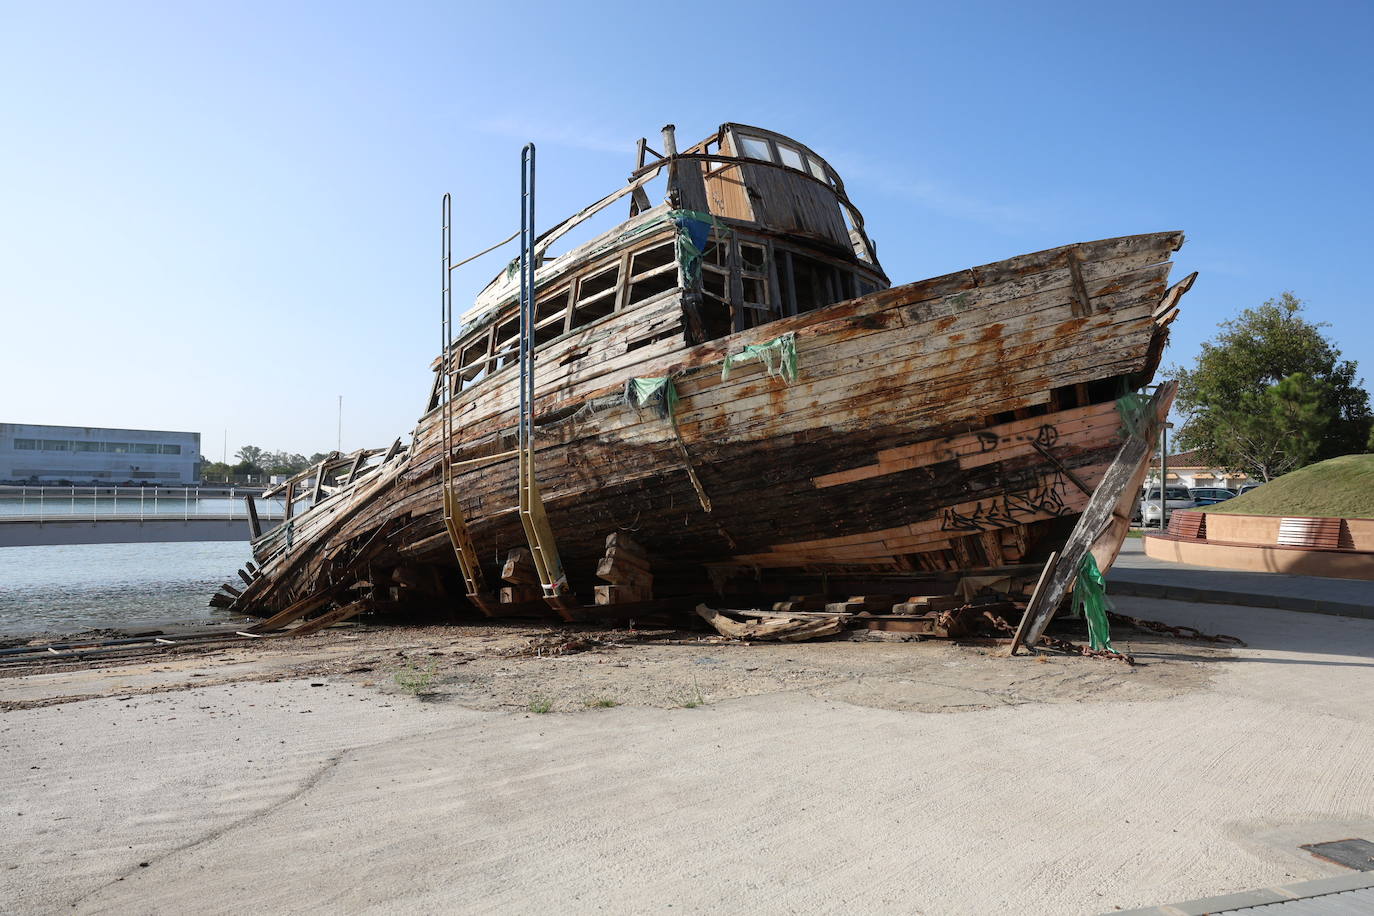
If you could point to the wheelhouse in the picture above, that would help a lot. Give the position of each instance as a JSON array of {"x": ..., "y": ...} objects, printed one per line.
[{"x": 755, "y": 227}]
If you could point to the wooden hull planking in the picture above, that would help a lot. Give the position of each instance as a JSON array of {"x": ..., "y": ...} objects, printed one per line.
[{"x": 954, "y": 424}]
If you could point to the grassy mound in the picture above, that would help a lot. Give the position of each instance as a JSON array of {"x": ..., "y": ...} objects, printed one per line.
[{"x": 1337, "y": 488}]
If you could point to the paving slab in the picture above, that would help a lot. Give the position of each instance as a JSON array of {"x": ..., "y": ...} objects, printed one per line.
[{"x": 1342, "y": 894}]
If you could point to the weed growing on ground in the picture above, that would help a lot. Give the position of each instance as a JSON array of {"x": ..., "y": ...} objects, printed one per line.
[
  {"x": 600, "y": 703},
  {"x": 695, "y": 698},
  {"x": 540, "y": 705},
  {"x": 416, "y": 681}
]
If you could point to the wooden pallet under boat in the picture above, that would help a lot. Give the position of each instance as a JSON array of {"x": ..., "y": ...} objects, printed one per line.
[{"x": 802, "y": 417}]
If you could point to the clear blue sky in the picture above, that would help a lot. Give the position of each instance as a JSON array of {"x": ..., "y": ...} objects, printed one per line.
[{"x": 224, "y": 216}]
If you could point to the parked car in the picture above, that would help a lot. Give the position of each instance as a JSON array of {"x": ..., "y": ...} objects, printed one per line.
[
  {"x": 1247, "y": 488},
  {"x": 1174, "y": 498},
  {"x": 1210, "y": 496}
]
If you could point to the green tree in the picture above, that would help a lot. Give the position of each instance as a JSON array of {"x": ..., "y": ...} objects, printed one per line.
[
  {"x": 1276, "y": 430},
  {"x": 1272, "y": 394},
  {"x": 250, "y": 454},
  {"x": 215, "y": 471}
]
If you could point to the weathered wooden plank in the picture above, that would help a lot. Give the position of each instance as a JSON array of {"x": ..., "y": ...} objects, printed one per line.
[{"x": 328, "y": 619}]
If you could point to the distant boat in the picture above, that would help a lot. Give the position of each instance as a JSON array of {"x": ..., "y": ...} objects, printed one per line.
[{"x": 728, "y": 384}]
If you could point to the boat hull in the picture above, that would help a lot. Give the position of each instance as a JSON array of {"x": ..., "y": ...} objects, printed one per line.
[{"x": 955, "y": 424}]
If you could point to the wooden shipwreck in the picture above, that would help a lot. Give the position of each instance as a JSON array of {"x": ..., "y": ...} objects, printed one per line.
[{"x": 725, "y": 393}]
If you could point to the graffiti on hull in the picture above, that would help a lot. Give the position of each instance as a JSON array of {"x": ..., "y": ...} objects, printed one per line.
[{"x": 1043, "y": 498}]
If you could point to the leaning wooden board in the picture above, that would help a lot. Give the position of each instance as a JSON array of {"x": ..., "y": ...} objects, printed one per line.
[{"x": 1099, "y": 527}]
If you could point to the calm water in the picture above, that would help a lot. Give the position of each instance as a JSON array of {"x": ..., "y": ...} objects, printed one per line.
[{"x": 73, "y": 587}]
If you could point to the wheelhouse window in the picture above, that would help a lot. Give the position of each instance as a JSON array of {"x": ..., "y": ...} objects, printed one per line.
[
  {"x": 472, "y": 363},
  {"x": 507, "y": 349},
  {"x": 790, "y": 157},
  {"x": 550, "y": 315},
  {"x": 652, "y": 271},
  {"x": 596, "y": 296},
  {"x": 755, "y": 147}
]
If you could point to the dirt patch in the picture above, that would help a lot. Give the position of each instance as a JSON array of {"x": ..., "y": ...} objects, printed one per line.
[{"x": 517, "y": 667}]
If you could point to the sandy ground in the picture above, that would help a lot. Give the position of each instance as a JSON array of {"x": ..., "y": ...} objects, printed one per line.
[{"x": 849, "y": 775}]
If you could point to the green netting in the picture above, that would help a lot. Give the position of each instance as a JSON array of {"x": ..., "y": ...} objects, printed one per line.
[
  {"x": 1090, "y": 600},
  {"x": 661, "y": 391},
  {"x": 1135, "y": 414},
  {"x": 779, "y": 357}
]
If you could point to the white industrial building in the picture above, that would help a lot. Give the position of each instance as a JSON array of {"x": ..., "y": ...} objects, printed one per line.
[{"x": 31, "y": 453}]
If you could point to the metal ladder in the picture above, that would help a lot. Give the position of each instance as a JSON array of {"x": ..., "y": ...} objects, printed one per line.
[
  {"x": 454, "y": 521},
  {"x": 543, "y": 548},
  {"x": 533, "y": 518}
]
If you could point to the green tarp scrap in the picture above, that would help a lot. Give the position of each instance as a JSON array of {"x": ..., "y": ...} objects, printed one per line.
[
  {"x": 1135, "y": 414},
  {"x": 693, "y": 234},
  {"x": 640, "y": 392},
  {"x": 1090, "y": 600},
  {"x": 779, "y": 357}
]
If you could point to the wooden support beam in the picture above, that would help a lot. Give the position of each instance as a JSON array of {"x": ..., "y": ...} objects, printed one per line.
[
  {"x": 254, "y": 524},
  {"x": 1034, "y": 598},
  {"x": 329, "y": 618},
  {"x": 357, "y": 466},
  {"x": 991, "y": 542},
  {"x": 1063, "y": 469},
  {"x": 1127, "y": 469},
  {"x": 295, "y": 610},
  {"x": 319, "y": 485}
]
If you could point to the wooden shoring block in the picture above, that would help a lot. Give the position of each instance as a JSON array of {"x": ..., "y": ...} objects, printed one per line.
[
  {"x": 622, "y": 541},
  {"x": 618, "y": 572},
  {"x": 802, "y": 603},
  {"x": 519, "y": 568},
  {"x": 520, "y": 594},
  {"x": 416, "y": 578},
  {"x": 859, "y": 603},
  {"x": 620, "y": 594},
  {"x": 921, "y": 604},
  {"x": 627, "y": 557}
]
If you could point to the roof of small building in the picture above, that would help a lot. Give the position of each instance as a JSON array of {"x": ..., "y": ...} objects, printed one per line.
[{"x": 1189, "y": 459}]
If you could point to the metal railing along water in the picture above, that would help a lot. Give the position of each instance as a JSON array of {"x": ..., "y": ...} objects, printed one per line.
[{"x": 41, "y": 503}]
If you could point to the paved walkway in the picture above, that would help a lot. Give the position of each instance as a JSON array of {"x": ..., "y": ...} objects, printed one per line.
[
  {"x": 1351, "y": 895},
  {"x": 1136, "y": 574}
]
